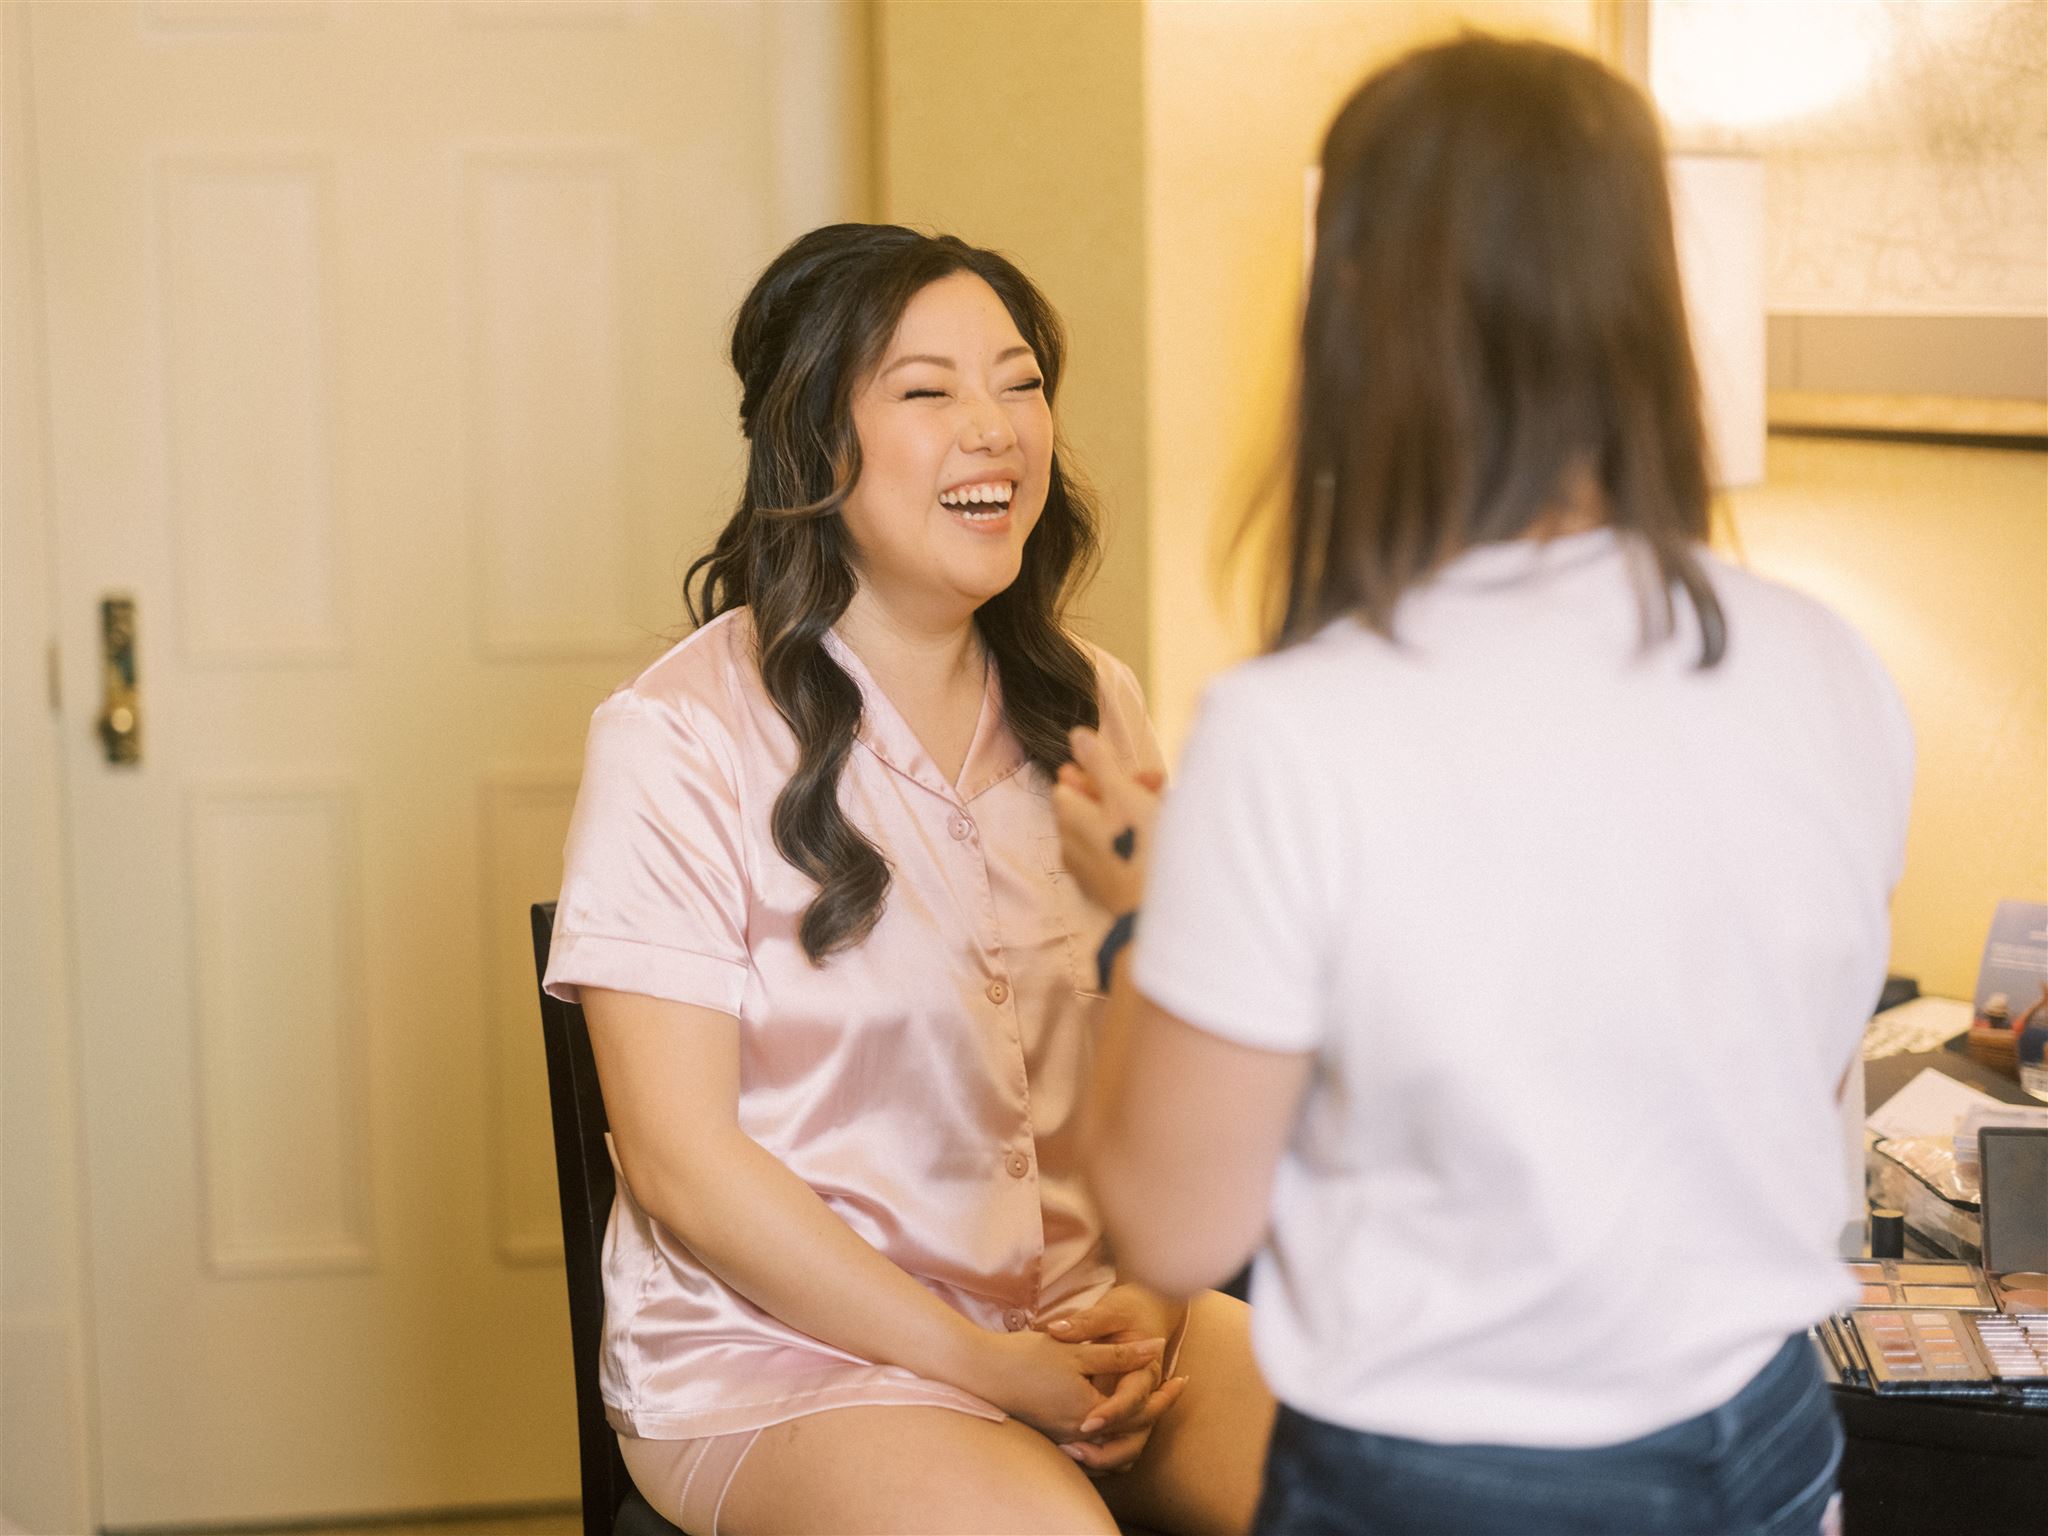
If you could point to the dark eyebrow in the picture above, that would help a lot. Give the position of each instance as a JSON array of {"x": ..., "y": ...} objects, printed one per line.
[{"x": 947, "y": 362}]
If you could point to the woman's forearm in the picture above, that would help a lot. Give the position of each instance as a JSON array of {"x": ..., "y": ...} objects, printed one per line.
[
  {"x": 1183, "y": 1131},
  {"x": 769, "y": 1236}
]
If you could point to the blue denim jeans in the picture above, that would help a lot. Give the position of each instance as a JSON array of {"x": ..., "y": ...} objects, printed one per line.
[{"x": 1763, "y": 1462}]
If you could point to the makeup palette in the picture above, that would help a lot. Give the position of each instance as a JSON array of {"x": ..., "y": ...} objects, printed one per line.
[
  {"x": 1919, "y": 1283},
  {"x": 2023, "y": 1291},
  {"x": 1935, "y": 1328},
  {"x": 1939, "y": 1352},
  {"x": 2016, "y": 1348},
  {"x": 1919, "y": 1351}
]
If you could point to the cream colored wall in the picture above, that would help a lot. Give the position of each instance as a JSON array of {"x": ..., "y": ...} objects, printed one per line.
[
  {"x": 1940, "y": 557},
  {"x": 43, "y": 1433},
  {"x": 1237, "y": 98},
  {"x": 1019, "y": 125}
]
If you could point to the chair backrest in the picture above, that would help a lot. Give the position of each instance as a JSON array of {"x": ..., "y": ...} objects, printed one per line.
[{"x": 583, "y": 1171}]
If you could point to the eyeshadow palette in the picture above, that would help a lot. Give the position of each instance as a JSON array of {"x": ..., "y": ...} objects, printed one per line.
[
  {"x": 1919, "y": 1351},
  {"x": 1919, "y": 1283},
  {"x": 1940, "y": 1352},
  {"x": 2016, "y": 1348}
]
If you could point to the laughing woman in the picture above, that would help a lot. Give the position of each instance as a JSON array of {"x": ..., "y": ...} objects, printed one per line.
[{"x": 839, "y": 987}]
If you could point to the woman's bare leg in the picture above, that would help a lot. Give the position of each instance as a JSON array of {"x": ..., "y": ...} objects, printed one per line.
[
  {"x": 1202, "y": 1468},
  {"x": 906, "y": 1471},
  {"x": 909, "y": 1472}
]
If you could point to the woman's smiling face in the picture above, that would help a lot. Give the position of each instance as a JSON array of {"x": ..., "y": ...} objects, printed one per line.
[{"x": 956, "y": 455}]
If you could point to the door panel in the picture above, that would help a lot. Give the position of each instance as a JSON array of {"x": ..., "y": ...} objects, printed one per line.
[{"x": 385, "y": 348}]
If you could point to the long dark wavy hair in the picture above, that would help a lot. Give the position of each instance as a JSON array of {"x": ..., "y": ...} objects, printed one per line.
[
  {"x": 814, "y": 326},
  {"x": 1494, "y": 302}
]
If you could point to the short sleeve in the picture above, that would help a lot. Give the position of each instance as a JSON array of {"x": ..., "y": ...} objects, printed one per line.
[
  {"x": 654, "y": 890},
  {"x": 1231, "y": 939}
]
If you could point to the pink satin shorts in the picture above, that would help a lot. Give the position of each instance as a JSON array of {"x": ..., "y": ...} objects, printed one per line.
[{"x": 686, "y": 1481}]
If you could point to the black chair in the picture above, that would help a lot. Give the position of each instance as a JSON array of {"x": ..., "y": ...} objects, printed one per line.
[{"x": 612, "y": 1506}]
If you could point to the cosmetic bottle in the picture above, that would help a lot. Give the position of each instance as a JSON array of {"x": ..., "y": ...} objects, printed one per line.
[
  {"x": 1991, "y": 1036},
  {"x": 2031, "y": 1047}
]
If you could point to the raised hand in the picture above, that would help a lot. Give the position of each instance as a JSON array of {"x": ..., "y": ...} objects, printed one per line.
[{"x": 1105, "y": 817}]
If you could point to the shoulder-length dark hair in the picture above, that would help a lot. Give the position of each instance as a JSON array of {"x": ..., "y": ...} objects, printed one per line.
[
  {"x": 814, "y": 326},
  {"x": 1493, "y": 308}
]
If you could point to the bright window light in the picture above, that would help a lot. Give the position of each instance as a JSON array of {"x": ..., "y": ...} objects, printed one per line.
[{"x": 1736, "y": 64}]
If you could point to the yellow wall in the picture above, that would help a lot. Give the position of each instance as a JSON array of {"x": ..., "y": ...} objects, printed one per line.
[
  {"x": 1237, "y": 99},
  {"x": 1940, "y": 557},
  {"x": 1019, "y": 125}
]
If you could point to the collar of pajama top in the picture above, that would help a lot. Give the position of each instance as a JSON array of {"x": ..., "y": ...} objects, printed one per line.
[
  {"x": 992, "y": 756},
  {"x": 926, "y": 1082}
]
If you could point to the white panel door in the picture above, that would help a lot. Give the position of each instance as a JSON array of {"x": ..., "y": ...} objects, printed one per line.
[{"x": 385, "y": 349}]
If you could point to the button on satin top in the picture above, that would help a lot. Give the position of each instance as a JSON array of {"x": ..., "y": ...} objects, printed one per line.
[{"x": 924, "y": 1083}]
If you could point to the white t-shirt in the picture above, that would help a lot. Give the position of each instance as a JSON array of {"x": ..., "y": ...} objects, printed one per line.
[{"x": 1582, "y": 938}]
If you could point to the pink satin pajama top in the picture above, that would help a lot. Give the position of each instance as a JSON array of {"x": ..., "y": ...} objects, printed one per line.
[{"x": 925, "y": 1083}]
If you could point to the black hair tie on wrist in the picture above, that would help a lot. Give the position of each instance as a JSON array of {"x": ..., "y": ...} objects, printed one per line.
[
  {"x": 1120, "y": 933},
  {"x": 1125, "y": 843}
]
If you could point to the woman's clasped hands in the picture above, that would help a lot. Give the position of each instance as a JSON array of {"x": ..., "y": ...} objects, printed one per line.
[
  {"x": 1092, "y": 1382},
  {"x": 1130, "y": 1396},
  {"x": 1064, "y": 1391}
]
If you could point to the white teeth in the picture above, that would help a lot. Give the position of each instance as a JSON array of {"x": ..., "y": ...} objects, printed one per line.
[{"x": 997, "y": 492}]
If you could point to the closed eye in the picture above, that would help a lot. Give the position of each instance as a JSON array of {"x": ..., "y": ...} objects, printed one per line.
[
  {"x": 924, "y": 394},
  {"x": 1027, "y": 386}
]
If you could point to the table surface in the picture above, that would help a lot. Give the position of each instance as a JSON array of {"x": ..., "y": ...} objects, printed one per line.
[{"x": 1888, "y": 1074}]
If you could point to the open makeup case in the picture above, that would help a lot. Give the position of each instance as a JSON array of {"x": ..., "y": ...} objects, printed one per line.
[{"x": 1940, "y": 1327}]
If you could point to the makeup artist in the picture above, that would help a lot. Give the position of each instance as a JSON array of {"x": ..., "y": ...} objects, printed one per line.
[{"x": 1512, "y": 920}]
